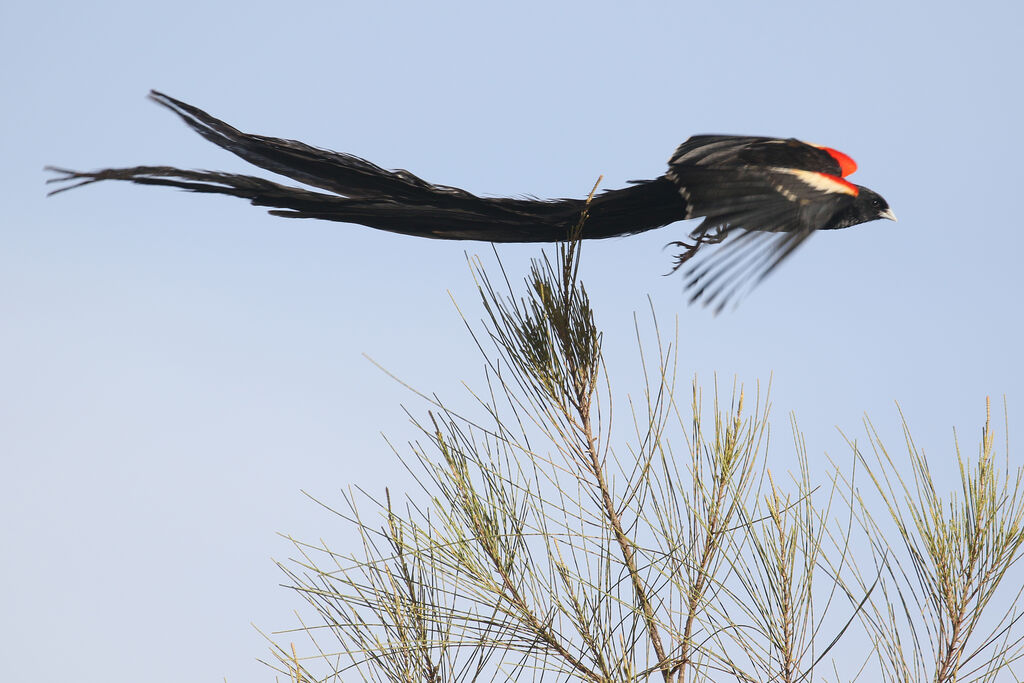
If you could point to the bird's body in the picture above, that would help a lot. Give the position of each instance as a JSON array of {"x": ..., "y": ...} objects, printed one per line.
[{"x": 762, "y": 196}]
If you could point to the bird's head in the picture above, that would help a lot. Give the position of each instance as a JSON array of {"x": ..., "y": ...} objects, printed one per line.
[{"x": 869, "y": 206}]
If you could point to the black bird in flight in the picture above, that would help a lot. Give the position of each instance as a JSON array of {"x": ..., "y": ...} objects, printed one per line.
[{"x": 759, "y": 196}]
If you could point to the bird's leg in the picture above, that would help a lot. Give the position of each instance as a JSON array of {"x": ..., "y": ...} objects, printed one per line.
[{"x": 699, "y": 237}]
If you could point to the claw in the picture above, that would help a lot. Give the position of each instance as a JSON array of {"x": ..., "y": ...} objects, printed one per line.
[{"x": 680, "y": 259}]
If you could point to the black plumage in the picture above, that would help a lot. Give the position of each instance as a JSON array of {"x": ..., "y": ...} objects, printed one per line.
[{"x": 761, "y": 196}]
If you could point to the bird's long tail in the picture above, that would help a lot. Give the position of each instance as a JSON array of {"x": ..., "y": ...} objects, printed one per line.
[{"x": 358, "y": 191}]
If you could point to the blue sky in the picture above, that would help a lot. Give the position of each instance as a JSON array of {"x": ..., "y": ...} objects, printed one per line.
[{"x": 175, "y": 369}]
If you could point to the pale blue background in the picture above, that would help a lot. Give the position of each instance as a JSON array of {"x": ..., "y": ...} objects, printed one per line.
[{"x": 175, "y": 368}]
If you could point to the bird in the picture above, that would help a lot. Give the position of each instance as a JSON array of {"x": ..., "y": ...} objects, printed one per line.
[{"x": 759, "y": 199}]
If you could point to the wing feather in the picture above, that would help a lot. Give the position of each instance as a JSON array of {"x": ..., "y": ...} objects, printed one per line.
[{"x": 761, "y": 214}]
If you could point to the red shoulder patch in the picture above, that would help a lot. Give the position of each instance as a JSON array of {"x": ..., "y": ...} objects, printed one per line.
[{"x": 846, "y": 164}]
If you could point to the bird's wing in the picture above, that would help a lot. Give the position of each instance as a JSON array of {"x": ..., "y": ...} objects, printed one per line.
[
  {"x": 723, "y": 151},
  {"x": 762, "y": 214}
]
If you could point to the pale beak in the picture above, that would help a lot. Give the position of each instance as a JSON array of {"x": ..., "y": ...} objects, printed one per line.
[{"x": 887, "y": 214}]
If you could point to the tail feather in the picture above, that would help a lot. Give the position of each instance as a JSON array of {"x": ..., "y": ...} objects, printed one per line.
[
  {"x": 645, "y": 206},
  {"x": 396, "y": 201},
  {"x": 336, "y": 172}
]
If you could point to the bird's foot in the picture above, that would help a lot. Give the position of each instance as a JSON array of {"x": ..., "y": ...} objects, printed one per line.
[{"x": 689, "y": 251}]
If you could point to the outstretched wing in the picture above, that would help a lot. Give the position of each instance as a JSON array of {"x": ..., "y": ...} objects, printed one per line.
[{"x": 761, "y": 210}]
